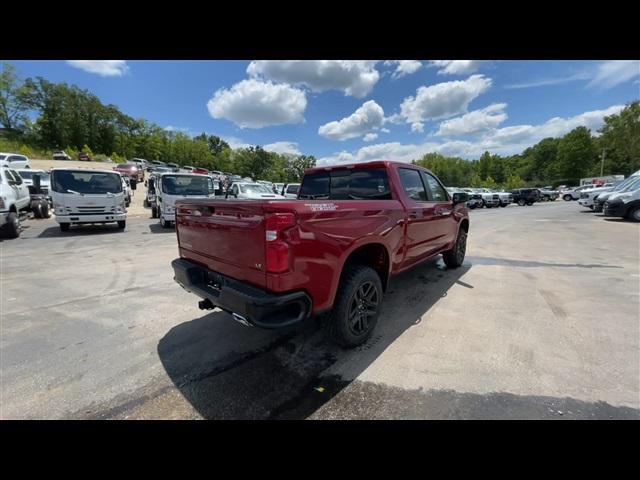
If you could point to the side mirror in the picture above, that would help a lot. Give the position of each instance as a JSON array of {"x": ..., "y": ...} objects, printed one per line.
[{"x": 460, "y": 197}]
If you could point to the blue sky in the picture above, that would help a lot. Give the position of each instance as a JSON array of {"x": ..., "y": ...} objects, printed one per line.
[{"x": 343, "y": 111}]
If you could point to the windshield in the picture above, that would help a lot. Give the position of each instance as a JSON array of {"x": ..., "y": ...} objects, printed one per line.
[
  {"x": 86, "y": 182},
  {"x": 254, "y": 188},
  {"x": 625, "y": 183},
  {"x": 632, "y": 185},
  {"x": 2, "y": 157},
  {"x": 187, "y": 185},
  {"x": 27, "y": 175}
]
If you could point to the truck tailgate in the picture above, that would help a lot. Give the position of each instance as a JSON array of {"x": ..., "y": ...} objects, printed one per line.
[{"x": 226, "y": 237}]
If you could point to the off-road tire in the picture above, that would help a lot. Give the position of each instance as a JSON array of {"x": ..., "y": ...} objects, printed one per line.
[
  {"x": 453, "y": 258},
  {"x": 357, "y": 280}
]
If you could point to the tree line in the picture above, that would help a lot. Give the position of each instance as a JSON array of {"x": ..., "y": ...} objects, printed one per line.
[
  {"x": 75, "y": 120},
  {"x": 552, "y": 161}
]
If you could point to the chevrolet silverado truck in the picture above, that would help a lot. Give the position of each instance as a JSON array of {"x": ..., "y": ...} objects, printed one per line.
[{"x": 330, "y": 253}]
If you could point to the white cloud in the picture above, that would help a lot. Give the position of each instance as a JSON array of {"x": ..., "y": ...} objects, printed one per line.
[
  {"x": 404, "y": 67},
  {"x": 283, "y": 148},
  {"x": 385, "y": 130},
  {"x": 456, "y": 67},
  {"x": 256, "y": 104},
  {"x": 442, "y": 100},
  {"x": 366, "y": 118},
  {"x": 369, "y": 137},
  {"x": 550, "y": 81},
  {"x": 614, "y": 72},
  {"x": 171, "y": 128},
  {"x": 474, "y": 122},
  {"x": 353, "y": 77},
  {"x": 235, "y": 142},
  {"x": 504, "y": 141},
  {"x": 104, "y": 68}
]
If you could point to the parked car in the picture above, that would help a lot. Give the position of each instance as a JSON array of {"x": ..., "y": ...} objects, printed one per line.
[
  {"x": 60, "y": 155},
  {"x": 274, "y": 263},
  {"x": 525, "y": 196},
  {"x": 291, "y": 190},
  {"x": 132, "y": 171},
  {"x": 84, "y": 157},
  {"x": 624, "y": 204},
  {"x": 277, "y": 187},
  {"x": 251, "y": 191},
  {"x": 174, "y": 166},
  {"x": 574, "y": 194},
  {"x": 15, "y": 160},
  {"x": 173, "y": 186},
  {"x": 506, "y": 198},
  {"x": 490, "y": 198},
  {"x": 141, "y": 163},
  {"x": 629, "y": 184},
  {"x": 588, "y": 195},
  {"x": 83, "y": 195},
  {"x": 546, "y": 194}
]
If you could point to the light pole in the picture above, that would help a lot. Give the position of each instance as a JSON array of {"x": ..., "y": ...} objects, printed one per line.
[{"x": 602, "y": 164}]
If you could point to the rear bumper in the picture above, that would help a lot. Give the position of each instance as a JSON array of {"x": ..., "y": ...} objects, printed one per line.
[{"x": 253, "y": 305}]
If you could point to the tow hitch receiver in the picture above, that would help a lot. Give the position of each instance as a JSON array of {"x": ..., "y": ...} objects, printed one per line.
[{"x": 206, "y": 304}]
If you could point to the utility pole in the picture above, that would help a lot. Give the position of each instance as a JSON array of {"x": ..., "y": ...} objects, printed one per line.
[{"x": 602, "y": 164}]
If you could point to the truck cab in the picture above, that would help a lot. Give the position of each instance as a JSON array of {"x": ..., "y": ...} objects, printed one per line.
[
  {"x": 83, "y": 196},
  {"x": 174, "y": 186},
  {"x": 14, "y": 200}
]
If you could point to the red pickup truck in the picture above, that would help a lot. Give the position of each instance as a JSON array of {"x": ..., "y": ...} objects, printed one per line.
[{"x": 332, "y": 250}]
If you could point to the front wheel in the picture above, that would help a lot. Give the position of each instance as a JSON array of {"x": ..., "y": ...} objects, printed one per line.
[
  {"x": 522, "y": 202},
  {"x": 357, "y": 306},
  {"x": 454, "y": 257},
  {"x": 634, "y": 214},
  {"x": 122, "y": 224},
  {"x": 503, "y": 205},
  {"x": 12, "y": 227},
  {"x": 567, "y": 198},
  {"x": 164, "y": 223},
  {"x": 46, "y": 213}
]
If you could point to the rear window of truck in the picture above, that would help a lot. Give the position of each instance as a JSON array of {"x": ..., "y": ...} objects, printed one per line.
[{"x": 347, "y": 184}]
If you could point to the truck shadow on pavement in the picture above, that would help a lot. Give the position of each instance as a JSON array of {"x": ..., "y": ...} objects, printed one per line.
[
  {"x": 282, "y": 376},
  {"x": 157, "y": 228}
]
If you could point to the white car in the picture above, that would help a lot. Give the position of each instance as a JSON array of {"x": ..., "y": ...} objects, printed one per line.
[
  {"x": 588, "y": 195},
  {"x": 252, "y": 191},
  {"x": 175, "y": 186},
  {"x": 574, "y": 194},
  {"x": 15, "y": 160}
]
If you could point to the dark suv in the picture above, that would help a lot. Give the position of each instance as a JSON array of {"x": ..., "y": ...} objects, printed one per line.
[{"x": 525, "y": 196}]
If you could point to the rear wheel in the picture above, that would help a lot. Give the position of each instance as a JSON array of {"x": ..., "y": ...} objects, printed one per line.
[
  {"x": 154, "y": 212},
  {"x": 12, "y": 227},
  {"x": 356, "y": 308},
  {"x": 46, "y": 213},
  {"x": 64, "y": 227},
  {"x": 145, "y": 203},
  {"x": 164, "y": 223},
  {"x": 522, "y": 202},
  {"x": 454, "y": 257},
  {"x": 567, "y": 198},
  {"x": 503, "y": 205}
]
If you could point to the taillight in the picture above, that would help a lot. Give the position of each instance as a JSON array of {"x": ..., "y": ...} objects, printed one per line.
[{"x": 277, "y": 250}]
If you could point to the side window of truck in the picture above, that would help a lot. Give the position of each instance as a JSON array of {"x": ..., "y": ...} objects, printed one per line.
[
  {"x": 437, "y": 193},
  {"x": 412, "y": 184}
]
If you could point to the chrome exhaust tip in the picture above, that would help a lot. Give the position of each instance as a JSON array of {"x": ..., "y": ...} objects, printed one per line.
[{"x": 241, "y": 319}]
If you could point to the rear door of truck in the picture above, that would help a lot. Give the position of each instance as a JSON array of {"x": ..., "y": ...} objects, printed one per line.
[{"x": 227, "y": 237}]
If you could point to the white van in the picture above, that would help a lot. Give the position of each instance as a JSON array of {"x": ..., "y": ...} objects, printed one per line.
[
  {"x": 87, "y": 195},
  {"x": 174, "y": 186}
]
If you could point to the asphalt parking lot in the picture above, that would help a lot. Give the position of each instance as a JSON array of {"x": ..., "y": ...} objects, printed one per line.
[{"x": 541, "y": 322}]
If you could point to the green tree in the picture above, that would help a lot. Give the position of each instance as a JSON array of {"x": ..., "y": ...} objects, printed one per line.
[
  {"x": 14, "y": 99},
  {"x": 296, "y": 166},
  {"x": 489, "y": 182},
  {"x": 620, "y": 138},
  {"x": 513, "y": 181},
  {"x": 576, "y": 153}
]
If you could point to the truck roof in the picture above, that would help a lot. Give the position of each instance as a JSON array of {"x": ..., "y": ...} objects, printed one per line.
[{"x": 369, "y": 164}]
